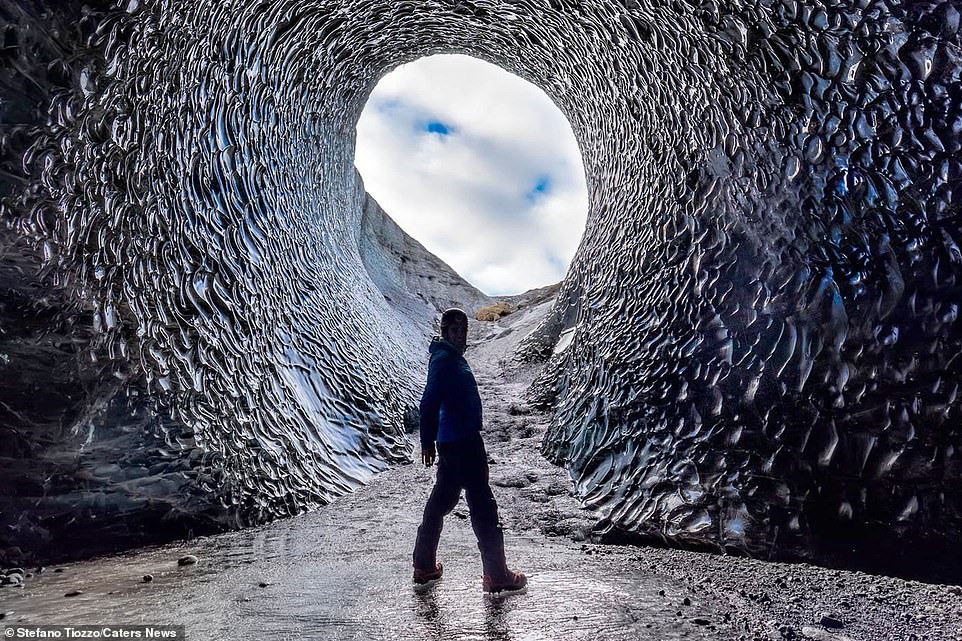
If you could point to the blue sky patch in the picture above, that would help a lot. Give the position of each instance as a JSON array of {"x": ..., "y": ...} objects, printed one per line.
[
  {"x": 402, "y": 112},
  {"x": 541, "y": 188},
  {"x": 437, "y": 127}
]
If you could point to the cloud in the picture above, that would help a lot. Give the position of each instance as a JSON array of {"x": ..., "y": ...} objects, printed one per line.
[{"x": 479, "y": 166}]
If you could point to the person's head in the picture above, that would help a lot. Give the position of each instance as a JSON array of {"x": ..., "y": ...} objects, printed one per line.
[{"x": 454, "y": 328}]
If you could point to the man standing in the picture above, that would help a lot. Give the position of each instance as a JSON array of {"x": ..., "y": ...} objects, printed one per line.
[{"x": 451, "y": 416}]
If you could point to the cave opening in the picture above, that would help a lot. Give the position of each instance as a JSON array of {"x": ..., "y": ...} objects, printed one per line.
[{"x": 478, "y": 165}]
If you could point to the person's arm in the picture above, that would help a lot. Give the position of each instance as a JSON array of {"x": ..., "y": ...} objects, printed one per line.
[{"x": 431, "y": 408}]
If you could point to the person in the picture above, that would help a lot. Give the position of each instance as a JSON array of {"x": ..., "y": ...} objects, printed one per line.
[{"x": 451, "y": 434}]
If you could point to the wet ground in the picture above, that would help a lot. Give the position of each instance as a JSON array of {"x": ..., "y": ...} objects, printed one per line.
[{"x": 344, "y": 572}]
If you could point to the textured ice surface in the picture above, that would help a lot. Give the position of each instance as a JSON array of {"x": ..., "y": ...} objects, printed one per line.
[{"x": 764, "y": 345}]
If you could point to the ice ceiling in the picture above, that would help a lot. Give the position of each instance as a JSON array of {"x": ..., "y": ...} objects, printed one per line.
[{"x": 760, "y": 344}]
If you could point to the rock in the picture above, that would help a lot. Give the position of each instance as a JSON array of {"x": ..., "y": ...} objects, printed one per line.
[
  {"x": 148, "y": 578},
  {"x": 579, "y": 534},
  {"x": 831, "y": 621},
  {"x": 700, "y": 621},
  {"x": 58, "y": 570},
  {"x": 14, "y": 579},
  {"x": 494, "y": 312},
  {"x": 74, "y": 593},
  {"x": 573, "y": 527},
  {"x": 538, "y": 497},
  {"x": 556, "y": 488},
  {"x": 515, "y": 409},
  {"x": 513, "y": 480},
  {"x": 12, "y": 554},
  {"x": 460, "y": 514},
  {"x": 263, "y": 584},
  {"x": 809, "y": 632},
  {"x": 686, "y": 601},
  {"x": 189, "y": 559},
  {"x": 19, "y": 571}
]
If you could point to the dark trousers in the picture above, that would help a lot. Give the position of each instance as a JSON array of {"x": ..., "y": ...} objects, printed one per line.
[{"x": 462, "y": 466}]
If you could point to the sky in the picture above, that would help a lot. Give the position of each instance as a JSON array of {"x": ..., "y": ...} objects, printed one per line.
[{"x": 479, "y": 166}]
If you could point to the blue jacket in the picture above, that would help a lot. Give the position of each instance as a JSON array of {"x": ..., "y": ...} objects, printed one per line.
[{"x": 450, "y": 405}]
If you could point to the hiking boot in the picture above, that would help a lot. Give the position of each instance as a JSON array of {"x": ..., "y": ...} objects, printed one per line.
[
  {"x": 426, "y": 577},
  {"x": 512, "y": 583}
]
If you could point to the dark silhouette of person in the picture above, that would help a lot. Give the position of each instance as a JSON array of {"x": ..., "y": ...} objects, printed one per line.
[{"x": 451, "y": 418}]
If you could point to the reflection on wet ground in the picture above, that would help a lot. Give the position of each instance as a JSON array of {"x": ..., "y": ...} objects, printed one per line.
[
  {"x": 344, "y": 572},
  {"x": 327, "y": 575}
]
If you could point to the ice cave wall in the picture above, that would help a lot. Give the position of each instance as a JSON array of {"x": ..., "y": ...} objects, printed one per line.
[{"x": 762, "y": 337}]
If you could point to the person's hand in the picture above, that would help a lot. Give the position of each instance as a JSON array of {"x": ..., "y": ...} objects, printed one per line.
[{"x": 428, "y": 457}]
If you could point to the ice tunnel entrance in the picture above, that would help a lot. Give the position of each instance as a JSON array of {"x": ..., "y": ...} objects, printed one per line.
[{"x": 478, "y": 165}]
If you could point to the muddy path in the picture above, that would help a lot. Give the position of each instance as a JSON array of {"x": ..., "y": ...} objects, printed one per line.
[{"x": 344, "y": 571}]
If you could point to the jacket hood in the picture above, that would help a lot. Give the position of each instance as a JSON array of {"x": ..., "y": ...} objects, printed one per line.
[{"x": 439, "y": 345}]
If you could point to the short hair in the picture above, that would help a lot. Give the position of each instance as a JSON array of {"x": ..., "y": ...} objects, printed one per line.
[{"x": 451, "y": 316}]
